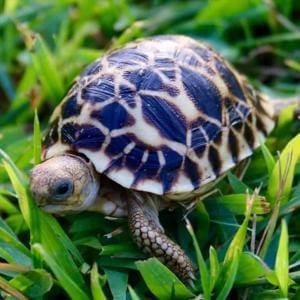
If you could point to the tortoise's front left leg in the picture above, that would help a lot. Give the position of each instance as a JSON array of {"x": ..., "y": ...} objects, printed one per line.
[{"x": 149, "y": 236}]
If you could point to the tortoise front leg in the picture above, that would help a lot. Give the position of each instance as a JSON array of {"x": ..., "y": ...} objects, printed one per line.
[{"x": 151, "y": 239}]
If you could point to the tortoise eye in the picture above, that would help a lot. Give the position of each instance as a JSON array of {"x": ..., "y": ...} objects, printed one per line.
[{"x": 62, "y": 189}]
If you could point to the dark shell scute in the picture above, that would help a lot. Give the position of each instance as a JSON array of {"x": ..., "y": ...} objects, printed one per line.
[
  {"x": 169, "y": 171},
  {"x": 99, "y": 90},
  {"x": 173, "y": 159},
  {"x": 70, "y": 108},
  {"x": 198, "y": 138},
  {"x": 145, "y": 79},
  {"x": 234, "y": 116},
  {"x": 203, "y": 92},
  {"x": 167, "y": 178},
  {"x": 149, "y": 169},
  {"x": 163, "y": 63},
  {"x": 52, "y": 135},
  {"x": 261, "y": 126},
  {"x": 212, "y": 130},
  {"x": 249, "y": 136},
  {"x": 164, "y": 117},
  {"x": 233, "y": 145},
  {"x": 128, "y": 95},
  {"x": 82, "y": 136},
  {"x": 134, "y": 158},
  {"x": 244, "y": 110},
  {"x": 185, "y": 57},
  {"x": 202, "y": 52},
  {"x": 191, "y": 171},
  {"x": 230, "y": 79},
  {"x": 112, "y": 116},
  {"x": 124, "y": 57},
  {"x": 117, "y": 145},
  {"x": 92, "y": 69},
  {"x": 214, "y": 159},
  {"x": 152, "y": 165},
  {"x": 171, "y": 74}
]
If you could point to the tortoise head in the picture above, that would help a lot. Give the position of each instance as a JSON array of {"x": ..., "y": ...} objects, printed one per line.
[{"x": 65, "y": 183}]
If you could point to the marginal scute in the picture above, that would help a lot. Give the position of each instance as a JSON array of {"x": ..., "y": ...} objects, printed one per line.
[
  {"x": 249, "y": 135},
  {"x": 233, "y": 145},
  {"x": 215, "y": 160},
  {"x": 117, "y": 145},
  {"x": 70, "y": 108},
  {"x": 166, "y": 115},
  {"x": 192, "y": 171},
  {"x": 82, "y": 136},
  {"x": 134, "y": 158},
  {"x": 52, "y": 135}
]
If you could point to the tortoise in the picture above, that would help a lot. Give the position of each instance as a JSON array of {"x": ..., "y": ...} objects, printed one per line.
[{"x": 145, "y": 126}]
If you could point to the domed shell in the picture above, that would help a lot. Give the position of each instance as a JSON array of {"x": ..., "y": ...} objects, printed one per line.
[{"x": 164, "y": 115}]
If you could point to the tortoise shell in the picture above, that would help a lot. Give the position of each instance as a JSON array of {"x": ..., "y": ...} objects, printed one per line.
[{"x": 165, "y": 114}]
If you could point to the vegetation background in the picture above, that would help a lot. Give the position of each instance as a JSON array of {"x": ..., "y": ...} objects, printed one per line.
[{"x": 249, "y": 239}]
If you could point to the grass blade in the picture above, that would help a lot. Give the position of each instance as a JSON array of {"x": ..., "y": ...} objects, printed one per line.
[
  {"x": 33, "y": 283},
  {"x": 237, "y": 203},
  {"x": 230, "y": 274},
  {"x": 282, "y": 261},
  {"x": 6, "y": 286},
  {"x": 204, "y": 275},
  {"x": 133, "y": 294},
  {"x": 161, "y": 281},
  {"x": 27, "y": 206},
  {"x": 117, "y": 281},
  {"x": 36, "y": 139},
  {"x": 280, "y": 183},
  {"x": 96, "y": 288},
  {"x": 214, "y": 267},
  {"x": 269, "y": 159},
  {"x": 71, "y": 287}
]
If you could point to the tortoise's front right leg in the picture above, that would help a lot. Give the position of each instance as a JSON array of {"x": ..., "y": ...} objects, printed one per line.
[{"x": 151, "y": 239}]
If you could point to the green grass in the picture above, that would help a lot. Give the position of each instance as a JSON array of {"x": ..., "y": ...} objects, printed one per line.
[{"x": 245, "y": 238}]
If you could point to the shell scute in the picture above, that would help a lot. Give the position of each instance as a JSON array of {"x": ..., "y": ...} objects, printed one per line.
[
  {"x": 71, "y": 108},
  {"x": 99, "y": 90},
  {"x": 112, "y": 116},
  {"x": 164, "y": 117},
  {"x": 203, "y": 92},
  {"x": 229, "y": 79},
  {"x": 127, "y": 57}
]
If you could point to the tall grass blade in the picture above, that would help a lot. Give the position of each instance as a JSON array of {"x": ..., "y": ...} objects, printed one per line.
[
  {"x": 282, "y": 260},
  {"x": 36, "y": 139},
  {"x": 6, "y": 286},
  {"x": 204, "y": 274},
  {"x": 72, "y": 288},
  {"x": 96, "y": 288},
  {"x": 161, "y": 281},
  {"x": 280, "y": 182}
]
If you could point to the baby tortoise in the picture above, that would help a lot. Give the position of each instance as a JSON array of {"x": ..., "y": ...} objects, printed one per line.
[{"x": 152, "y": 123}]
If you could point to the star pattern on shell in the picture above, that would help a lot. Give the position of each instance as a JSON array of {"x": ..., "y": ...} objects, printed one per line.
[{"x": 162, "y": 115}]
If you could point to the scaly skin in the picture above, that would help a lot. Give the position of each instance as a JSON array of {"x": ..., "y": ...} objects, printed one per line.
[{"x": 151, "y": 239}]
